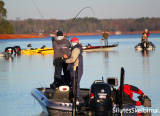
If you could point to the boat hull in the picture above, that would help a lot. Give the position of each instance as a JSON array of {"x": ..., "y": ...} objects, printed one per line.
[{"x": 50, "y": 106}]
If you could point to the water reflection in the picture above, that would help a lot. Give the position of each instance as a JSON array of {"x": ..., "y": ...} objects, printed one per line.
[
  {"x": 106, "y": 54},
  {"x": 145, "y": 53},
  {"x": 9, "y": 59}
]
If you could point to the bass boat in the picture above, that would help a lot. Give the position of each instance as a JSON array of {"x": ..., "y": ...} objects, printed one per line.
[
  {"x": 96, "y": 101},
  {"x": 38, "y": 50},
  {"x": 99, "y": 48},
  {"x": 145, "y": 46}
]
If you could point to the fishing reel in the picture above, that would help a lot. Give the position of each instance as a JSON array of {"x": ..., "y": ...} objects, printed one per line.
[{"x": 146, "y": 102}]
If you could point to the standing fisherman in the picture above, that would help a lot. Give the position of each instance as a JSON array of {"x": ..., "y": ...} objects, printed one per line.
[
  {"x": 105, "y": 37},
  {"x": 75, "y": 60},
  {"x": 145, "y": 35},
  {"x": 61, "y": 46}
]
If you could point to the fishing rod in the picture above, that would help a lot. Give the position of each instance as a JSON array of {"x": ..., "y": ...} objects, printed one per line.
[
  {"x": 46, "y": 24},
  {"x": 76, "y": 17},
  {"x": 41, "y": 15}
]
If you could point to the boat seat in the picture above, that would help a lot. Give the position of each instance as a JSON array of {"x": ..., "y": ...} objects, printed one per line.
[{"x": 62, "y": 93}]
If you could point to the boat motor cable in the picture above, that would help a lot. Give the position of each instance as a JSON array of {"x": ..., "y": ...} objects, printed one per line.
[{"x": 76, "y": 17}]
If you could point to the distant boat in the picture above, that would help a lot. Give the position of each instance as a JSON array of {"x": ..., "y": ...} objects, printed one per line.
[
  {"x": 118, "y": 32},
  {"x": 2, "y": 54},
  {"x": 145, "y": 46},
  {"x": 99, "y": 48},
  {"x": 38, "y": 50}
]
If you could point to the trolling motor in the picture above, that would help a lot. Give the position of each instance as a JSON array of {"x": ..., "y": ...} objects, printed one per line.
[
  {"x": 17, "y": 49},
  {"x": 100, "y": 98},
  {"x": 8, "y": 52}
]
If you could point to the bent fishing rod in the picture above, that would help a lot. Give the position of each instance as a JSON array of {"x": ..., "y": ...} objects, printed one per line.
[
  {"x": 76, "y": 17},
  {"x": 70, "y": 23}
]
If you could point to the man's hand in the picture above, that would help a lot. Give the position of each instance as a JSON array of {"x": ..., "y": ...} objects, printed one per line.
[{"x": 65, "y": 56}]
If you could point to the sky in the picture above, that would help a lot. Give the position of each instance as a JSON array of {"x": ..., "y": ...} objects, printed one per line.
[{"x": 67, "y": 9}]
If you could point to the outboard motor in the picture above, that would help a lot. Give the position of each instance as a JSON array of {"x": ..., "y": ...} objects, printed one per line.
[
  {"x": 17, "y": 49},
  {"x": 9, "y": 51},
  {"x": 100, "y": 98}
]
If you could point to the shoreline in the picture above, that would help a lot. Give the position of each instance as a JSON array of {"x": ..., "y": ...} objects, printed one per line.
[{"x": 21, "y": 36}]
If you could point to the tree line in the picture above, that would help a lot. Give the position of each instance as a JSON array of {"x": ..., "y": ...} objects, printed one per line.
[
  {"x": 87, "y": 24},
  {"x": 5, "y": 26},
  {"x": 80, "y": 25}
]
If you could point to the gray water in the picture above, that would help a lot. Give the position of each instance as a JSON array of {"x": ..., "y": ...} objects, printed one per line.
[{"x": 18, "y": 76}]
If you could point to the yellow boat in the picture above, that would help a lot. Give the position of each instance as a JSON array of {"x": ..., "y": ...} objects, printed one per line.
[
  {"x": 36, "y": 50},
  {"x": 46, "y": 51}
]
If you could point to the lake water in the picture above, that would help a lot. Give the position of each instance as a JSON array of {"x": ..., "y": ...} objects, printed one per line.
[{"x": 18, "y": 76}]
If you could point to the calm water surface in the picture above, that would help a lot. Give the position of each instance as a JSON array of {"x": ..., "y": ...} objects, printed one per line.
[{"x": 18, "y": 76}]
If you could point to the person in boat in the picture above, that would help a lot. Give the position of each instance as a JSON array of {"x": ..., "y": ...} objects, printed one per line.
[
  {"x": 128, "y": 91},
  {"x": 61, "y": 46},
  {"x": 75, "y": 60},
  {"x": 53, "y": 38},
  {"x": 105, "y": 37},
  {"x": 146, "y": 33},
  {"x": 144, "y": 38},
  {"x": 43, "y": 47}
]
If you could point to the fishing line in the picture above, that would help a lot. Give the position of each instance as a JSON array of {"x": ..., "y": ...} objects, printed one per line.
[
  {"x": 76, "y": 17},
  {"x": 44, "y": 83},
  {"x": 41, "y": 85}
]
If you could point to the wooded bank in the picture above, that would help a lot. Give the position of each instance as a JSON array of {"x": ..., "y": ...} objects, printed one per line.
[
  {"x": 85, "y": 25},
  {"x": 21, "y": 36}
]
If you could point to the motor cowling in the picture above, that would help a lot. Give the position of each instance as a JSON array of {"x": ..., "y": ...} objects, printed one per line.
[
  {"x": 9, "y": 51},
  {"x": 100, "y": 98},
  {"x": 17, "y": 49}
]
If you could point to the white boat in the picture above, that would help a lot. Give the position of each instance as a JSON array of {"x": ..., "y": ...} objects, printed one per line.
[{"x": 145, "y": 46}]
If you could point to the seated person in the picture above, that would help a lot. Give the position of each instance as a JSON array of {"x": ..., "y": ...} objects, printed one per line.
[{"x": 43, "y": 47}]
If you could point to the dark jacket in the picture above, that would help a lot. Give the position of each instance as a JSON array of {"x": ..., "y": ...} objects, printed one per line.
[
  {"x": 61, "y": 47},
  {"x": 105, "y": 35},
  {"x": 80, "y": 62}
]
